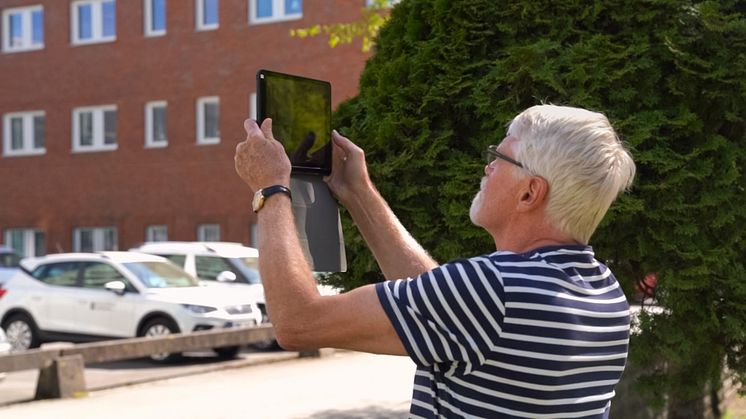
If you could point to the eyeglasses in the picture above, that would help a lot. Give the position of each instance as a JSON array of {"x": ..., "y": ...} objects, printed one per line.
[{"x": 492, "y": 154}]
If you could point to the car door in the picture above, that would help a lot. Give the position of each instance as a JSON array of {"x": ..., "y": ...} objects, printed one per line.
[
  {"x": 59, "y": 301},
  {"x": 105, "y": 313}
]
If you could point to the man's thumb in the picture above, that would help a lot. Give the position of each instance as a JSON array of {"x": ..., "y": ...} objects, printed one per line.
[{"x": 267, "y": 128}]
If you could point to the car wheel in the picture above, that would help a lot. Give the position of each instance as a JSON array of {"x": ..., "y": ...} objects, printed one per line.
[
  {"x": 267, "y": 345},
  {"x": 22, "y": 332},
  {"x": 227, "y": 352},
  {"x": 160, "y": 327}
]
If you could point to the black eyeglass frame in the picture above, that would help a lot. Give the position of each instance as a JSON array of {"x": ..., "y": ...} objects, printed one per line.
[{"x": 492, "y": 154}]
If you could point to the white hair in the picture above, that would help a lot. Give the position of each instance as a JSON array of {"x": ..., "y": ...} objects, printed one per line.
[{"x": 582, "y": 159}]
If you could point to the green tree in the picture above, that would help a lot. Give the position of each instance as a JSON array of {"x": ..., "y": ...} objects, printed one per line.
[
  {"x": 446, "y": 78},
  {"x": 366, "y": 28}
]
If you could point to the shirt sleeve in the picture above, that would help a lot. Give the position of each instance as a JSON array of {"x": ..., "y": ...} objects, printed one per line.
[{"x": 450, "y": 315}]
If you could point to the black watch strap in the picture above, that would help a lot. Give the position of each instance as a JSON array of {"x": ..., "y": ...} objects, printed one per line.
[{"x": 271, "y": 190}]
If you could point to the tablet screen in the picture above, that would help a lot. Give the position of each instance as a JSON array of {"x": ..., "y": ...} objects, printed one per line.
[{"x": 300, "y": 109}]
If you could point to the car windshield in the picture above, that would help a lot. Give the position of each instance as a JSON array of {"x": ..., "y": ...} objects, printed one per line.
[
  {"x": 9, "y": 260},
  {"x": 249, "y": 267},
  {"x": 161, "y": 274}
]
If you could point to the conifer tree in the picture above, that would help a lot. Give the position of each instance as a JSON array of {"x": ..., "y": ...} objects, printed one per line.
[{"x": 446, "y": 78}]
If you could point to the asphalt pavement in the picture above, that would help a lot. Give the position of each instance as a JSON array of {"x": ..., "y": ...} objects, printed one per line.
[{"x": 343, "y": 385}]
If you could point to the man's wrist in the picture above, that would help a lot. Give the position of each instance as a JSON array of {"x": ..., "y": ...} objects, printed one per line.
[{"x": 262, "y": 195}]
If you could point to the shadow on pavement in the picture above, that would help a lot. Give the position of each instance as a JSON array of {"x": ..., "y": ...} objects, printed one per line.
[{"x": 372, "y": 412}]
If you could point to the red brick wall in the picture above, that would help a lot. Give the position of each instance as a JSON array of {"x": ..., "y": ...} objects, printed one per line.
[{"x": 184, "y": 184}]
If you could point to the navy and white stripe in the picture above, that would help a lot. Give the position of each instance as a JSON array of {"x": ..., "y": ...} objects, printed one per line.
[{"x": 540, "y": 334}]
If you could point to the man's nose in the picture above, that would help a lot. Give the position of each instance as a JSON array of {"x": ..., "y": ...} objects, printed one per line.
[{"x": 488, "y": 168}]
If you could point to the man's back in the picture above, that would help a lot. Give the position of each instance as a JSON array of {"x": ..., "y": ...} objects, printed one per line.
[{"x": 527, "y": 335}]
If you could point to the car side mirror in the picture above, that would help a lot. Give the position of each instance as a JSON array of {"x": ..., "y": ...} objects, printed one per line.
[
  {"x": 117, "y": 287},
  {"x": 226, "y": 276}
]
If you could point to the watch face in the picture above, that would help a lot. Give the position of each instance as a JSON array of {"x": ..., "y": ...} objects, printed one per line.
[{"x": 258, "y": 202}]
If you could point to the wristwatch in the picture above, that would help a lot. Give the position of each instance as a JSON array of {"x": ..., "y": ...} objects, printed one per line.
[{"x": 262, "y": 194}]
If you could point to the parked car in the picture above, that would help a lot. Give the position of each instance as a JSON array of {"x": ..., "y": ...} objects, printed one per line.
[
  {"x": 220, "y": 264},
  {"x": 4, "y": 349},
  {"x": 95, "y": 296},
  {"x": 9, "y": 261}
]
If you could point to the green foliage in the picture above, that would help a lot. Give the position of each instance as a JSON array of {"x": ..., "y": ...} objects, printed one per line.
[
  {"x": 366, "y": 28},
  {"x": 446, "y": 78}
]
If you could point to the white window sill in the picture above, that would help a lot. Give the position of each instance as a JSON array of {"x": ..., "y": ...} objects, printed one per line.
[
  {"x": 156, "y": 145},
  {"x": 22, "y": 153},
  {"x": 263, "y": 20},
  {"x": 155, "y": 34},
  {"x": 78, "y": 42},
  {"x": 93, "y": 149},
  {"x": 201, "y": 28},
  {"x": 9, "y": 50},
  {"x": 208, "y": 141}
]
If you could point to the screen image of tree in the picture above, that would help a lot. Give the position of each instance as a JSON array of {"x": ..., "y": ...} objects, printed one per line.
[{"x": 300, "y": 111}]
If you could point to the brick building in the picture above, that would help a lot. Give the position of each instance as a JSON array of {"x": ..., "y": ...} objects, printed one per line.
[{"x": 120, "y": 117}]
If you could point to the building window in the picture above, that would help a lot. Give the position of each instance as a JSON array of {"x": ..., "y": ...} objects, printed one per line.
[
  {"x": 23, "y": 133},
  {"x": 27, "y": 242},
  {"x": 93, "y": 21},
  {"x": 207, "y": 14},
  {"x": 156, "y": 233},
  {"x": 94, "y": 239},
  {"x": 254, "y": 235},
  {"x": 155, "y": 17},
  {"x": 208, "y": 120},
  {"x": 385, "y": 3},
  {"x": 265, "y": 11},
  {"x": 208, "y": 232},
  {"x": 95, "y": 128},
  {"x": 252, "y": 107},
  {"x": 155, "y": 124},
  {"x": 23, "y": 29}
]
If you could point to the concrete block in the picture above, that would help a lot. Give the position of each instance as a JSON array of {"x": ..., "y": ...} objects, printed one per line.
[{"x": 65, "y": 378}]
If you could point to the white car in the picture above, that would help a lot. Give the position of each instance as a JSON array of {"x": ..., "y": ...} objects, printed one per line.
[
  {"x": 221, "y": 264},
  {"x": 95, "y": 296}
]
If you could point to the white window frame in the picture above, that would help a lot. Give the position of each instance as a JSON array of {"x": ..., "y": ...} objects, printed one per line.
[
  {"x": 97, "y": 22},
  {"x": 201, "y": 102},
  {"x": 254, "y": 235},
  {"x": 29, "y": 241},
  {"x": 389, "y": 3},
  {"x": 99, "y": 238},
  {"x": 154, "y": 230},
  {"x": 200, "y": 17},
  {"x": 26, "y": 13},
  {"x": 149, "y": 121},
  {"x": 99, "y": 130},
  {"x": 148, "y": 24},
  {"x": 252, "y": 106},
  {"x": 202, "y": 232},
  {"x": 278, "y": 13},
  {"x": 28, "y": 134}
]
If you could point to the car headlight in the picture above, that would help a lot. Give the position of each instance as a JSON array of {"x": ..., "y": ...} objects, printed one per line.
[{"x": 198, "y": 309}]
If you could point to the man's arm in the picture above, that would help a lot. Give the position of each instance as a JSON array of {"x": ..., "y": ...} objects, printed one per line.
[
  {"x": 301, "y": 316},
  {"x": 397, "y": 252}
]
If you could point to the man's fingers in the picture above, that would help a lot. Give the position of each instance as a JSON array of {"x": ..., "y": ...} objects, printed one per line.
[
  {"x": 267, "y": 129},
  {"x": 251, "y": 128},
  {"x": 347, "y": 147}
]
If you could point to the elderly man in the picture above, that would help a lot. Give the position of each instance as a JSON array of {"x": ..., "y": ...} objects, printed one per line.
[{"x": 537, "y": 328}]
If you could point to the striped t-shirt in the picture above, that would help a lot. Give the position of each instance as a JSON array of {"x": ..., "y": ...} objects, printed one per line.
[{"x": 539, "y": 334}]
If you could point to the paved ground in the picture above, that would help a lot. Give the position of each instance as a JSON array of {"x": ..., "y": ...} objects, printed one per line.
[
  {"x": 21, "y": 386},
  {"x": 345, "y": 385}
]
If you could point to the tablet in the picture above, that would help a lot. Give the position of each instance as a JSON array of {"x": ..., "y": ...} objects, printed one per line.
[{"x": 301, "y": 112}]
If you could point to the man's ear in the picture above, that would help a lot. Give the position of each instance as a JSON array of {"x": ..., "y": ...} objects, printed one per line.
[{"x": 534, "y": 193}]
